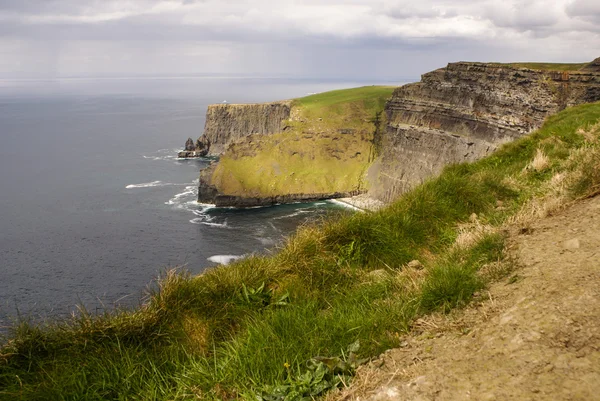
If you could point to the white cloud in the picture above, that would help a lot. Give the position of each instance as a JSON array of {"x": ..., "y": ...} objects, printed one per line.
[
  {"x": 401, "y": 19},
  {"x": 561, "y": 30}
]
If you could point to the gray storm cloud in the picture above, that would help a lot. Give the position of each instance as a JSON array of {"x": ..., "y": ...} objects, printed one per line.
[{"x": 311, "y": 37}]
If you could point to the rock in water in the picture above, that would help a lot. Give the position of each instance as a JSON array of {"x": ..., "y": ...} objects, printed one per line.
[
  {"x": 189, "y": 145},
  {"x": 199, "y": 149},
  {"x": 203, "y": 145}
]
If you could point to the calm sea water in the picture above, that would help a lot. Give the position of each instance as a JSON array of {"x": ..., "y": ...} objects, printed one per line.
[{"x": 94, "y": 203}]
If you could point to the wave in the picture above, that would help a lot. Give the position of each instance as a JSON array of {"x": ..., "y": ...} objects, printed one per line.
[
  {"x": 296, "y": 213},
  {"x": 170, "y": 157},
  {"x": 224, "y": 259},
  {"x": 146, "y": 185},
  {"x": 266, "y": 241},
  {"x": 182, "y": 198},
  {"x": 163, "y": 154},
  {"x": 202, "y": 220},
  {"x": 346, "y": 205},
  {"x": 153, "y": 184}
]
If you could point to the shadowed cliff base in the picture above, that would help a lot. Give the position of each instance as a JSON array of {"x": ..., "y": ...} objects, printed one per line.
[{"x": 298, "y": 322}]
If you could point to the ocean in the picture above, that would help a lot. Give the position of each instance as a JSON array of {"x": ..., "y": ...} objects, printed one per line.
[{"x": 94, "y": 204}]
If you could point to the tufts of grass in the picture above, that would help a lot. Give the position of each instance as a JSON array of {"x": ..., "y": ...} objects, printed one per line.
[{"x": 253, "y": 328}]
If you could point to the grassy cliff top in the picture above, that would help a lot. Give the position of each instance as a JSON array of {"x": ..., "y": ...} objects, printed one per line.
[
  {"x": 571, "y": 67},
  {"x": 343, "y": 108},
  {"x": 373, "y": 96}
]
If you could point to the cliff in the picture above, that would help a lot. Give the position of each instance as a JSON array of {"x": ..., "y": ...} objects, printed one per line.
[
  {"x": 465, "y": 111},
  {"x": 316, "y": 147},
  {"x": 229, "y": 122},
  {"x": 347, "y": 142}
]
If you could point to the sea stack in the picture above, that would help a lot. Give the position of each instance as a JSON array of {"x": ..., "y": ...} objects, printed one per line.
[{"x": 198, "y": 149}]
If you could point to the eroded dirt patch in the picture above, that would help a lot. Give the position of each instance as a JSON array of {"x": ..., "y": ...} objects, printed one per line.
[{"x": 533, "y": 336}]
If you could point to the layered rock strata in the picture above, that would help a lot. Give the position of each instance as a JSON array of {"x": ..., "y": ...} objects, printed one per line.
[{"x": 464, "y": 112}]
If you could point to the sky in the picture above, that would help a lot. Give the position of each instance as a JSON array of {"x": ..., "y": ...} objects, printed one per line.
[{"x": 348, "y": 39}]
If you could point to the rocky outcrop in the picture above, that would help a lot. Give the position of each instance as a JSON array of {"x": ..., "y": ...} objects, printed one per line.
[
  {"x": 198, "y": 149},
  {"x": 594, "y": 66},
  {"x": 465, "y": 111},
  {"x": 189, "y": 145}
]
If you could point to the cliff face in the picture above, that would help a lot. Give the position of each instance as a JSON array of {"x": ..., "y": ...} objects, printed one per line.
[
  {"x": 464, "y": 112},
  {"x": 226, "y": 123}
]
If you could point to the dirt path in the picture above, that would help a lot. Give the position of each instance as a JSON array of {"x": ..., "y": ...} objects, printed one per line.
[{"x": 533, "y": 336}]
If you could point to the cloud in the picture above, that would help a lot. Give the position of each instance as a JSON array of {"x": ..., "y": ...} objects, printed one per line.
[
  {"x": 344, "y": 19},
  {"x": 586, "y": 11},
  {"x": 301, "y": 29}
]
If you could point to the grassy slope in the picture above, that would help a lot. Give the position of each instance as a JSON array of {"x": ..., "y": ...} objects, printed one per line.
[
  {"x": 237, "y": 329},
  {"x": 311, "y": 156}
]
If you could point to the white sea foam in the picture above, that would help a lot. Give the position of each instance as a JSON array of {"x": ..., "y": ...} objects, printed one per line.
[
  {"x": 203, "y": 221},
  {"x": 222, "y": 225},
  {"x": 145, "y": 185},
  {"x": 169, "y": 157},
  {"x": 224, "y": 259},
  {"x": 346, "y": 205},
  {"x": 266, "y": 241},
  {"x": 296, "y": 213},
  {"x": 179, "y": 199},
  {"x": 154, "y": 184},
  {"x": 163, "y": 154}
]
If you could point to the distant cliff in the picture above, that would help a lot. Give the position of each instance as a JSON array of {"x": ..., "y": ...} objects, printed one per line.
[
  {"x": 465, "y": 111},
  {"x": 347, "y": 142},
  {"x": 311, "y": 148}
]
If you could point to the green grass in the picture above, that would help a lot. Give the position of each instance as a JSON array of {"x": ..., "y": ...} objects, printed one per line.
[
  {"x": 550, "y": 66},
  {"x": 327, "y": 147},
  {"x": 373, "y": 96},
  {"x": 254, "y": 328}
]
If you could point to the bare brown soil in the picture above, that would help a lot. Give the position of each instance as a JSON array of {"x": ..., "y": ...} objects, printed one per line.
[{"x": 534, "y": 335}]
